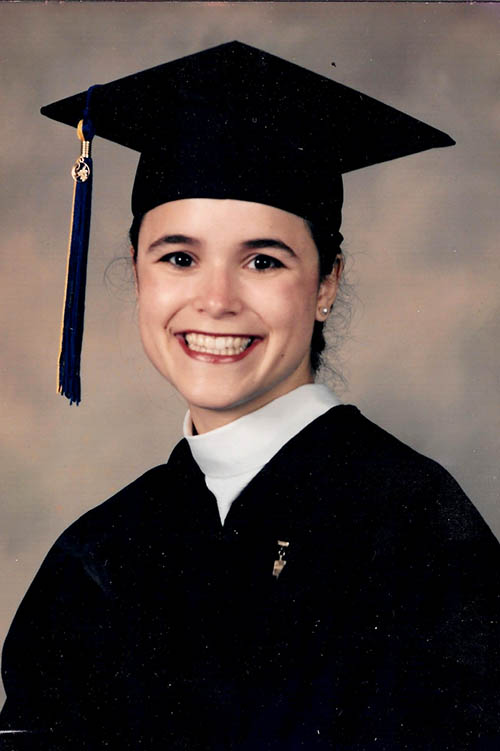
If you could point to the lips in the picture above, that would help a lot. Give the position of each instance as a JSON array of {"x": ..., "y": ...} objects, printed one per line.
[{"x": 217, "y": 347}]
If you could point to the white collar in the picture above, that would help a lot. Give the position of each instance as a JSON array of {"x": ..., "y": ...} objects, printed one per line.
[{"x": 246, "y": 444}]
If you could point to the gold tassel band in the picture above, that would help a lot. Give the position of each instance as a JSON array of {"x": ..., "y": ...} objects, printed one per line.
[{"x": 80, "y": 172}]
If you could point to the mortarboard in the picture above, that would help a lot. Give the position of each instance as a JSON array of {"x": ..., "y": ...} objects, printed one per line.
[{"x": 235, "y": 122}]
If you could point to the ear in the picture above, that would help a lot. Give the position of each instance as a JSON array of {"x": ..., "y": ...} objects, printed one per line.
[
  {"x": 134, "y": 267},
  {"x": 328, "y": 288}
]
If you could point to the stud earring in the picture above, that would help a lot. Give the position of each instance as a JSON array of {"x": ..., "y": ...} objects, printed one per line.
[{"x": 324, "y": 311}]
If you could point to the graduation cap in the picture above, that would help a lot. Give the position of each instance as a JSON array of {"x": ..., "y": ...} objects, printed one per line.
[{"x": 228, "y": 122}]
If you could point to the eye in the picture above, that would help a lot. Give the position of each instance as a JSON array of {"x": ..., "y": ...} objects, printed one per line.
[
  {"x": 179, "y": 258},
  {"x": 263, "y": 263}
]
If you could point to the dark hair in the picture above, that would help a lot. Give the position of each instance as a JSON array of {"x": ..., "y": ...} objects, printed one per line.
[
  {"x": 330, "y": 253},
  {"x": 133, "y": 235}
]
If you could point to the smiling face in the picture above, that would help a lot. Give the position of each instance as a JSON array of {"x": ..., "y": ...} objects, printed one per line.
[{"x": 228, "y": 292}]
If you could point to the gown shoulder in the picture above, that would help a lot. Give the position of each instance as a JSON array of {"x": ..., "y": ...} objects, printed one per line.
[{"x": 150, "y": 625}]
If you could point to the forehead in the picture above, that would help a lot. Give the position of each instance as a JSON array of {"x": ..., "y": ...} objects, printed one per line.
[{"x": 223, "y": 218}]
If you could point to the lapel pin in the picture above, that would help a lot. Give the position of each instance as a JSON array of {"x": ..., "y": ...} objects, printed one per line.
[{"x": 280, "y": 563}]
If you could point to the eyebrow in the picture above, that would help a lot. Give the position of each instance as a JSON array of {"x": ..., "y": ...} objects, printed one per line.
[
  {"x": 173, "y": 240},
  {"x": 267, "y": 242}
]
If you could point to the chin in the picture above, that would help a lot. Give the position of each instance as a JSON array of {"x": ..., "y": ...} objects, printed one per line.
[
  {"x": 218, "y": 402},
  {"x": 219, "y": 399}
]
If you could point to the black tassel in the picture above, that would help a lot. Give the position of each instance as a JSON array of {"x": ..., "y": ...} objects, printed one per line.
[{"x": 74, "y": 304}]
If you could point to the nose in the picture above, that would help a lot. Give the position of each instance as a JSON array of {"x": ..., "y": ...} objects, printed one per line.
[{"x": 218, "y": 294}]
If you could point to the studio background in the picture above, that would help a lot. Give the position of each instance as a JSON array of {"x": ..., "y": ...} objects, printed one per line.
[{"x": 422, "y": 356}]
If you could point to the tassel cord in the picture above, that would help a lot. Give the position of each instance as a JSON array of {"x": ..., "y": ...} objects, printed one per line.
[{"x": 69, "y": 384}]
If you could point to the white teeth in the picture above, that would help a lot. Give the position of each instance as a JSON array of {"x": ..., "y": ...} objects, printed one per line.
[{"x": 217, "y": 345}]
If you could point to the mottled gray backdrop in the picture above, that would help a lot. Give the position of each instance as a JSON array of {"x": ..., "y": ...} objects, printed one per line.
[{"x": 422, "y": 355}]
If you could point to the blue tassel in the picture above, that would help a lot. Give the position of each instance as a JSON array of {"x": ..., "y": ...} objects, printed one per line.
[{"x": 74, "y": 304}]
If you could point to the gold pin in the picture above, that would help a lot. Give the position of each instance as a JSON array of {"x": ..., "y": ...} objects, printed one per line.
[{"x": 280, "y": 563}]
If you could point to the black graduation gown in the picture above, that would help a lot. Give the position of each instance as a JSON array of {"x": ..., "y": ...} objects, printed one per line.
[{"x": 150, "y": 626}]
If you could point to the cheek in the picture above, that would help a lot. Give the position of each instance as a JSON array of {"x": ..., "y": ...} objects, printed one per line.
[
  {"x": 153, "y": 297},
  {"x": 290, "y": 306},
  {"x": 152, "y": 316}
]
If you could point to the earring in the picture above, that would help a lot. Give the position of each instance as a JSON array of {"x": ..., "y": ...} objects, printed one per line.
[{"x": 324, "y": 311}]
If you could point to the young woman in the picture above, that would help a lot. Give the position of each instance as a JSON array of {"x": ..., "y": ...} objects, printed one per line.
[{"x": 294, "y": 577}]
